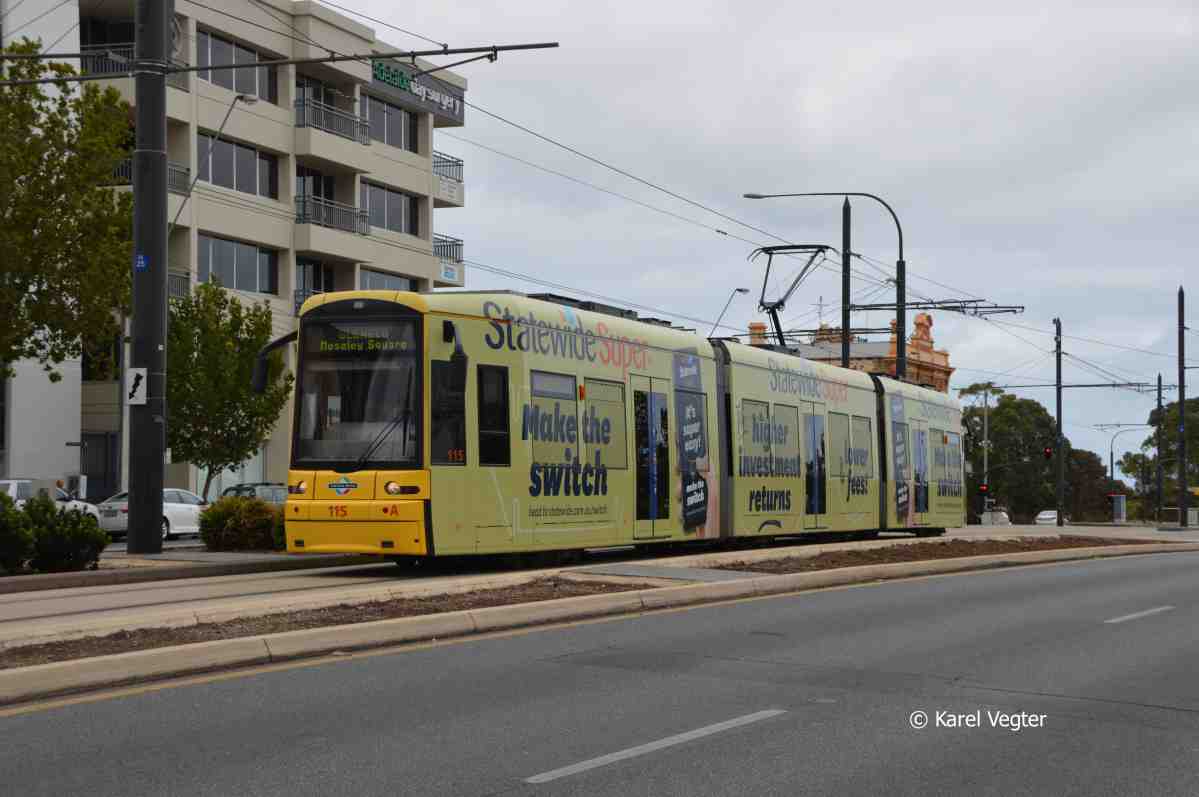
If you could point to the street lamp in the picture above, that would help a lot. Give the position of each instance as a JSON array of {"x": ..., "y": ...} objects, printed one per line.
[
  {"x": 726, "y": 308},
  {"x": 245, "y": 99},
  {"x": 1111, "y": 451},
  {"x": 901, "y": 356}
]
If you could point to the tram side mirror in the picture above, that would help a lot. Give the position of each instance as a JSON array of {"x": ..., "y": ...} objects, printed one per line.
[{"x": 262, "y": 364}]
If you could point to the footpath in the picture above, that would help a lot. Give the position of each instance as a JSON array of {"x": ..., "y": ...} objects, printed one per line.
[{"x": 59, "y": 615}]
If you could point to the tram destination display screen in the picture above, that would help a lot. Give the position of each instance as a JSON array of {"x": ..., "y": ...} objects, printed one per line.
[{"x": 358, "y": 396}]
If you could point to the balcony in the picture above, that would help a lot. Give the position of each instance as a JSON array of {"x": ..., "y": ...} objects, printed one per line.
[
  {"x": 447, "y": 181},
  {"x": 447, "y": 248},
  {"x": 447, "y": 166},
  {"x": 117, "y": 59},
  {"x": 179, "y": 283},
  {"x": 327, "y": 213},
  {"x": 178, "y": 176},
  {"x": 348, "y": 125}
]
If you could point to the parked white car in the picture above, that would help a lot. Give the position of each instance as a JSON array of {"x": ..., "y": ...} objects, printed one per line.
[
  {"x": 180, "y": 508},
  {"x": 1049, "y": 518},
  {"x": 21, "y": 490}
]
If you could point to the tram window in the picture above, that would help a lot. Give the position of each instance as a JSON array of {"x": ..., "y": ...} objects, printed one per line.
[
  {"x": 903, "y": 455},
  {"x": 551, "y": 421},
  {"x": 755, "y": 438},
  {"x": 448, "y": 413},
  {"x": 495, "y": 444},
  {"x": 838, "y": 454},
  {"x": 604, "y": 424},
  {"x": 785, "y": 442},
  {"x": 939, "y": 455},
  {"x": 954, "y": 457},
  {"x": 860, "y": 453}
]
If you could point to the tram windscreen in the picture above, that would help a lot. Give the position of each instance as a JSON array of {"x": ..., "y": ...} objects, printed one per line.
[{"x": 358, "y": 394}]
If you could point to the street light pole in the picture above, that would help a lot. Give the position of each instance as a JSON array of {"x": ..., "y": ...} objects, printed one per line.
[
  {"x": 720, "y": 317},
  {"x": 901, "y": 355}
]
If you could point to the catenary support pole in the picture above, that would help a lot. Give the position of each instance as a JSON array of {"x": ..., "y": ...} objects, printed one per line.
[
  {"x": 901, "y": 319},
  {"x": 1183, "y": 487},
  {"x": 845, "y": 241},
  {"x": 1158, "y": 443},
  {"x": 1059, "y": 445},
  {"x": 147, "y": 422}
]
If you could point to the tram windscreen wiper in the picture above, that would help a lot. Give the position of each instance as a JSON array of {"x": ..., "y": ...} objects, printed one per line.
[{"x": 404, "y": 415}]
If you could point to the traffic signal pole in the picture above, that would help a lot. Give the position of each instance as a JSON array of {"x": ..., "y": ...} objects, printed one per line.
[
  {"x": 1058, "y": 445},
  {"x": 1158, "y": 442},
  {"x": 147, "y": 421}
]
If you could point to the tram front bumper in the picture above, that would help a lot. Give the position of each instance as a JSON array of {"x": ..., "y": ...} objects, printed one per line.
[{"x": 386, "y": 528}]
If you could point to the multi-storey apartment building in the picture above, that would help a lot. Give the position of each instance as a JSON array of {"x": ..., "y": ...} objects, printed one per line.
[{"x": 283, "y": 181}]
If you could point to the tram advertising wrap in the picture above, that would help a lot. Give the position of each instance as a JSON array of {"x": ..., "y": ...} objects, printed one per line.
[
  {"x": 451, "y": 424},
  {"x": 691, "y": 414}
]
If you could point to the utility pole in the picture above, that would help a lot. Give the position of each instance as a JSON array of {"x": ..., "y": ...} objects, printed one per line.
[
  {"x": 1158, "y": 444},
  {"x": 901, "y": 317},
  {"x": 1183, "y": 492},
  {"x": 987, "y": 446},
  {"x": 1058, "y": 447},
  {"x": 147, "y": 422},
  {"x": 845, "y": 218}
]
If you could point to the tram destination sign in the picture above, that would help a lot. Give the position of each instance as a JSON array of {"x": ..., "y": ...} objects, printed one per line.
[{"x": 396, "y": 82}]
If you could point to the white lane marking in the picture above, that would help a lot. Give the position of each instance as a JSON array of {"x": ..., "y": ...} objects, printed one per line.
[
  {"x": 1138, "y": 615},
  {"x": 669, "y": 741}
]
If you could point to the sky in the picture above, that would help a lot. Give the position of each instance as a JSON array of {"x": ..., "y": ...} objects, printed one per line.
[{"x": 1037, "y": 154}]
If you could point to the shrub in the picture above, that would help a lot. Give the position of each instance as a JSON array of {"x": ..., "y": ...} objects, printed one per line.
[
  {"x": 241, "y": 523},
  {"x": 16, "y": 541},
  {"x": 63, "y": 540}
]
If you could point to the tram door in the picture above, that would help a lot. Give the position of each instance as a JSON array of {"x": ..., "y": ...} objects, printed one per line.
[
  {"x": 815, "y": 459},
  {"x": 651, "y": 441},
  {"x": 920, "y": 471}
]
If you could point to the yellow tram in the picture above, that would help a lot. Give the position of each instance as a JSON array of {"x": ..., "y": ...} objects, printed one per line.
[{"x": 482, "y": 423}]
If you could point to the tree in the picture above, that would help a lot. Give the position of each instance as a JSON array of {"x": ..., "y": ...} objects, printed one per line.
[
  {"x": 1144, "y": 465},
  {"x": 66, "y": 238},
  {"x": 1087, "y": 486},
  {"x": 1021, "y": 479},
  {"x": 215, "y": 420}
]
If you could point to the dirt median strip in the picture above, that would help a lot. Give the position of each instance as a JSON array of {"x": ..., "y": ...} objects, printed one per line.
[
  {"x": 544, "y": 589},
  {"x": 923, "y": 552}
]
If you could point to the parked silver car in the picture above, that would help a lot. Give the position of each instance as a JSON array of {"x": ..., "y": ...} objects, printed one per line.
[
  {"x": 1049, "y": 518},
  {"x": 180, "y": 509}
]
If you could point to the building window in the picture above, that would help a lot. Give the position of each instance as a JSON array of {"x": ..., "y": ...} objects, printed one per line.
[
  {"x": 237, "y": 166},
  {"x": 310, "y": 182},
  {"x": 313, "y": 276},
  {"x": 371, "y": 280},
  {"x": 390, "y": 124},
  {"x": 261, "y": 82},
  {"x": 391, "y": 210},
  {"x": 495, "y": 440},
  {"x": 237, "y": 265}
]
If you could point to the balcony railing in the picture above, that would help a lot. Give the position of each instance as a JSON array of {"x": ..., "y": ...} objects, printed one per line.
[
  {"x": 106, "y": 59},
  {"x": 179, "y": 177},
  {"x": 447, "y": 166},
  {"x": 117, "y": 59},
  {"x": 310, "y": 113},
  {"x": 447, "y": 248},
  {"x": 303, "y": 296},
  {"x": 179, "y": 283},
  {"x": 325, "y": 212}
]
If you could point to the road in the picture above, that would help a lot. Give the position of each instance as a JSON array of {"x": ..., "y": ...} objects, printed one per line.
[{"x": 804, "y": 694}]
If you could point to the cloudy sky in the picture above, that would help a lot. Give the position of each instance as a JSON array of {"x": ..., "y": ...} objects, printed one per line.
[{"x": 1036, "y": 153}]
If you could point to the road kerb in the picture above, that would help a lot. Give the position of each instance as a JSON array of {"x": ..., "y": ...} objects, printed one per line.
[
  {"x": 380, "y": 633},
  {"x": 24, "y": 684},
  {"x": 498, "y": 618}
]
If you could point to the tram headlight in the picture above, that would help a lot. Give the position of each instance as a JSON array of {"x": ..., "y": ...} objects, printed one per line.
[{"x": 392, "y": 488}]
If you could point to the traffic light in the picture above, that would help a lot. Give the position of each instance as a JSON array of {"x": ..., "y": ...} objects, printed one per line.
[
  {"x": 984, "y": 489},
  {"x": 1048, "y": 451}
]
